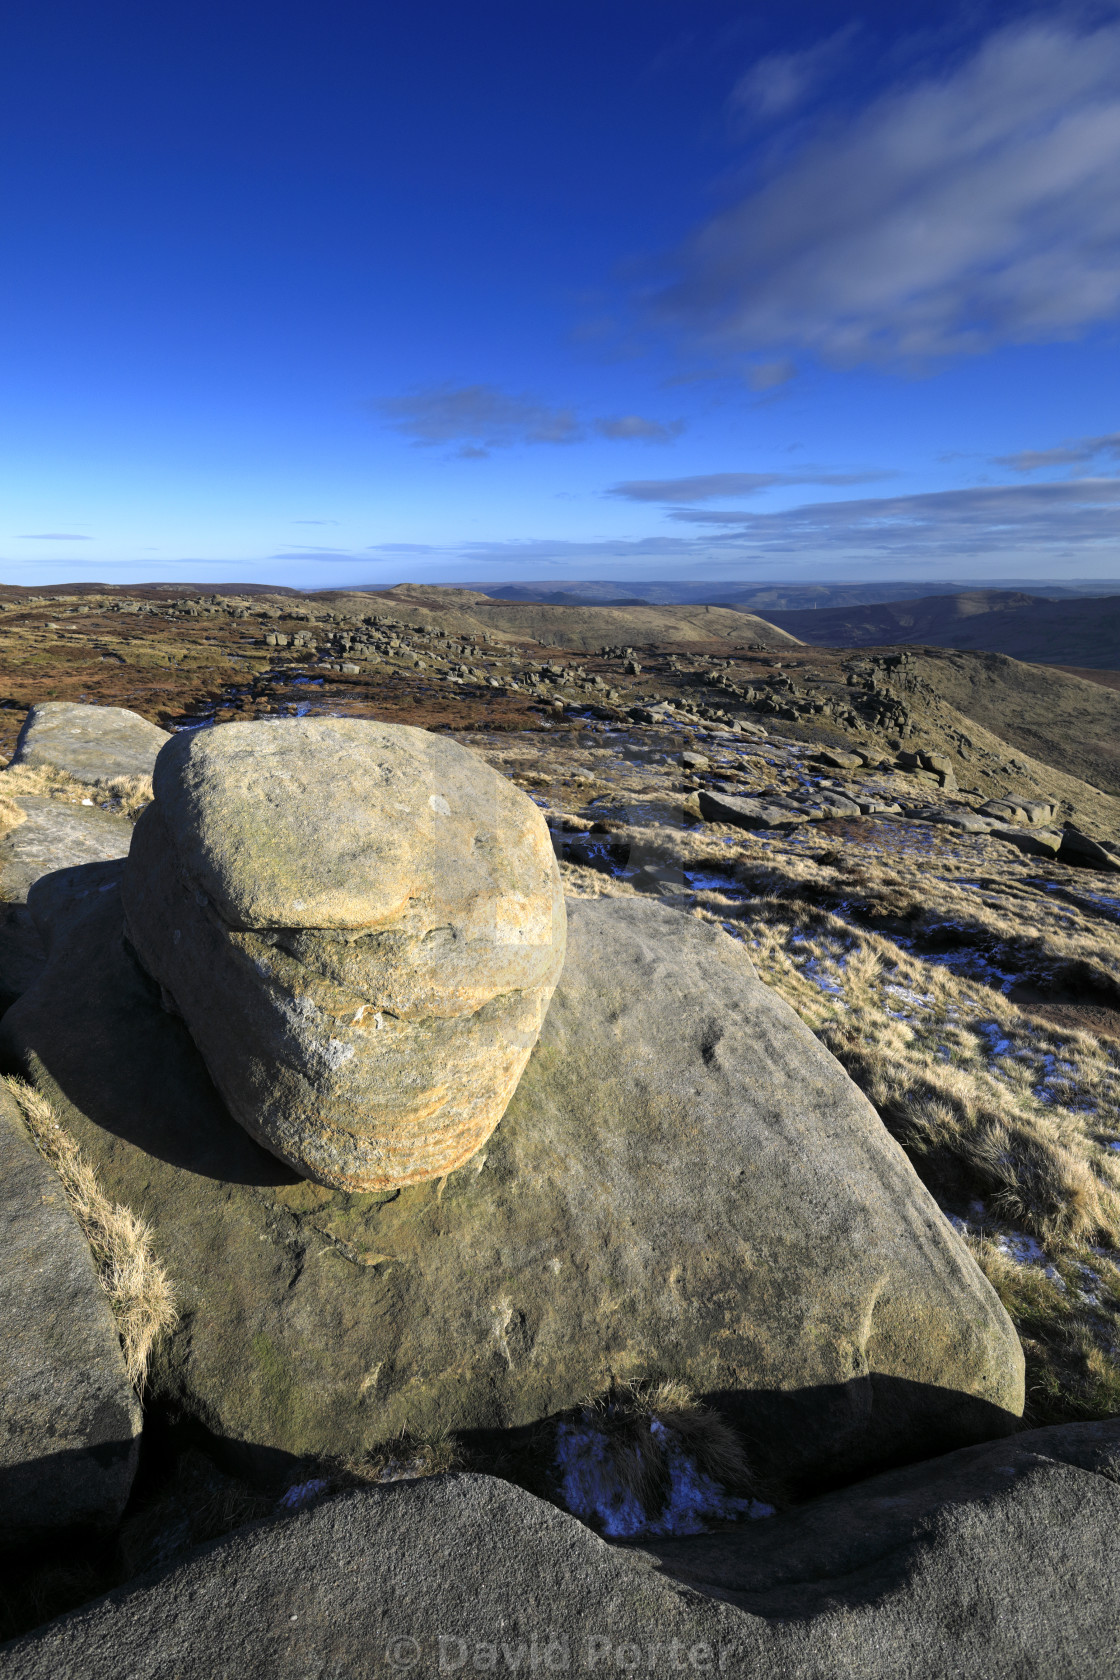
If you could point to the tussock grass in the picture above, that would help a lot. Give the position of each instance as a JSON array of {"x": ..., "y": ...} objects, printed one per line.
[
  {"x": 624, "y": 1415},
  {"x": 140, "y": 1292},
  {"x": 407, "y": 1458},
  {"x": 10, "y": 815},
  {"x": 124, "y": 795}
]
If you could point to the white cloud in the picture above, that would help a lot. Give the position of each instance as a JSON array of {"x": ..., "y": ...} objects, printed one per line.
[
  {"x": 778, "y": 83},
  {"x": 480, "y": 418},
  {"x": 967, "y": 210},
  {"x": 1008, "y": 519},
  {"x": 630, "y": 427},
  {"x": 52, "y": 536},
  {"x": 1077, "y": 451},
  {"x": 767, "y": 376},
  {"x": 707, "y": 487}
]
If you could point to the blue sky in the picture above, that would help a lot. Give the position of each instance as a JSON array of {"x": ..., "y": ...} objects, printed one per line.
[{"x": 344, "y": 294}]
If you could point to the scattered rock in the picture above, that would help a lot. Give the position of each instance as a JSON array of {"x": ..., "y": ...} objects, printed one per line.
[
  {"x": 685, "y": 1183},
  {"x": 92, "y": 743},
  {"x": 1036, "y": 842},
  {"x": 695, "y": 761},
  {"x": 69, "y": 1420},
  {"x": 994, "y": 1562},
  {"x": 837, "y": 760},
  {"x": 1024, "y": 812},
  {"x": 361, "y": 925},
  {"x": 57, "y": 835},
  {"x": 748, "y": 813},
  {"x": 1078, "y": 849}
]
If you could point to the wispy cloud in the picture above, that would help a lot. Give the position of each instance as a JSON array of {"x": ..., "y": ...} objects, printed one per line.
[
  {"x": 1005, "y": 518},
  {"x": 635, "y": 426},
  {"x": 480, "y": 418},
  {"x": 1076, "y": 452},
  {"x": 314, "y": 521},
  {"x": 767, "y": 376},
  {"x": 52, "y": 536},
  {"x": 776, "y": 85},
  {"x": 708, "y": 487},
  {"x": 954, "y": 214}
]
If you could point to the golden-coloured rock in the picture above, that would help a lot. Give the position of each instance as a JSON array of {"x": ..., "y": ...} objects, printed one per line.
[{"x": 361, "y": 925}]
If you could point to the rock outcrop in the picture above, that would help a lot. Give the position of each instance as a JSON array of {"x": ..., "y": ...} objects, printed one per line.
[
  {"x": 999, "y": 1563},
  {"x": 361, "y": 925},
  {"x": 69, "y": 1420},
  {"x": 56, "y": 835},
  {"x": 92, "y": 743},
  {"x": 685, "y": 1184}
]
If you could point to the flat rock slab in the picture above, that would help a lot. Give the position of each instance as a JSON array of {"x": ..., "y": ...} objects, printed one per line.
[
  {"x": 999, "y": 1564},
  {"x": 69, "y": 1419},
  {"x": 685, "y": 1184},
  {"x": 92, "y": 743},
  {"x": 748, "y": 813},
  {"x": 57, "y": 835}
]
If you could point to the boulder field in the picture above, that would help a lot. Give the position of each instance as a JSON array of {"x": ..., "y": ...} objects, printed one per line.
[
  {"x": 998, "y": 1562},
  {"x": 685, "y": 1184},
  {"x": 361, "y": 926}
]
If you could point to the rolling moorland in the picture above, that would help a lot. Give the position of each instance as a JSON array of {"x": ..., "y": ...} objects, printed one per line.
[
  {"x": 919, "y": 848},
  {"x": 1080, "y": 632}
]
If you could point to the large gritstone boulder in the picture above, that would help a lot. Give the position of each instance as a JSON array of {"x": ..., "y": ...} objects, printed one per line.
[
  {"x": 361, "y": 925},
  {"x": 92, "y": 743},
  {"x": 998, "y": 1563},
  {"x": 69, "y": 1420},
  {"x": 685, "y": 1184}
]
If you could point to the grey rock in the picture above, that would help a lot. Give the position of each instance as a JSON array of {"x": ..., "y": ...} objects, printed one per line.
[
  {"x": 1035, "y": 842},
  {"x": 93, "y": 743},
  {"x": 57, "y": 835},
  {"x": 69, "y": 1420},
  {"x": 685, "y": 1183},
  {"x": 998, "y": 1563},
  {"x": 748, "y": 813},
  {"x": 1022, "y": 812},
  {"x": 837, "y": 759},
  {"x": 1078, "y": 849},
  {"x": 361, "y": 925}
]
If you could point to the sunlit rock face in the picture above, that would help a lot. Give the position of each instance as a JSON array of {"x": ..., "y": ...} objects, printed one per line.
[{"x": 361, "y": 925}]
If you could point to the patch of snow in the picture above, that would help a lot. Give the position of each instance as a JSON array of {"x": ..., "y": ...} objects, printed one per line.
[
  {"x": 591, "y": 1489},
  {"x": 301, "y": 1493}
]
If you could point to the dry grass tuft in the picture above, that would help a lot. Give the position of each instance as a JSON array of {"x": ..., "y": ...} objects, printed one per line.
[
  {"x": 124, "y": 795},
  {"x": 139, "y": 1290},
  {"x": 11, "y": 815},
  {"x": 405, "y": 1459}
]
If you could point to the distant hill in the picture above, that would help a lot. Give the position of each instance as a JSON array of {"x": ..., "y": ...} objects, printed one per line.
[
  {"x": 585, "y": 628},
  {"x": 776, "y": 597},
  {"x": 1084, "y": 631}
]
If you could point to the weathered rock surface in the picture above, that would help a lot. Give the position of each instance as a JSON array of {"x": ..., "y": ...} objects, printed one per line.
[
  {"x": 998, "y": 1562},
  {"x": 361, "y": 925},
  {"x": 57, "y": 835},
  {"x": 1079, "y": 850},
  {"x": 93, "y": 743},
  {"x": 1027, "y": 812},
  {"x": 685, "y": 1183},
  {"x": 749, "y": 813},
  {"x": 69, "y": 1420}
]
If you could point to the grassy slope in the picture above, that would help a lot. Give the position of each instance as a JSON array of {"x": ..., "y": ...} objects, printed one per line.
[
  {"x": 584, "y": 629},
  {"x": 1082, "y": 632}
]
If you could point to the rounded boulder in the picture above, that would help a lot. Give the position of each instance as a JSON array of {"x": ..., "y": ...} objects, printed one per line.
[{"x": 361, "y": 925}]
